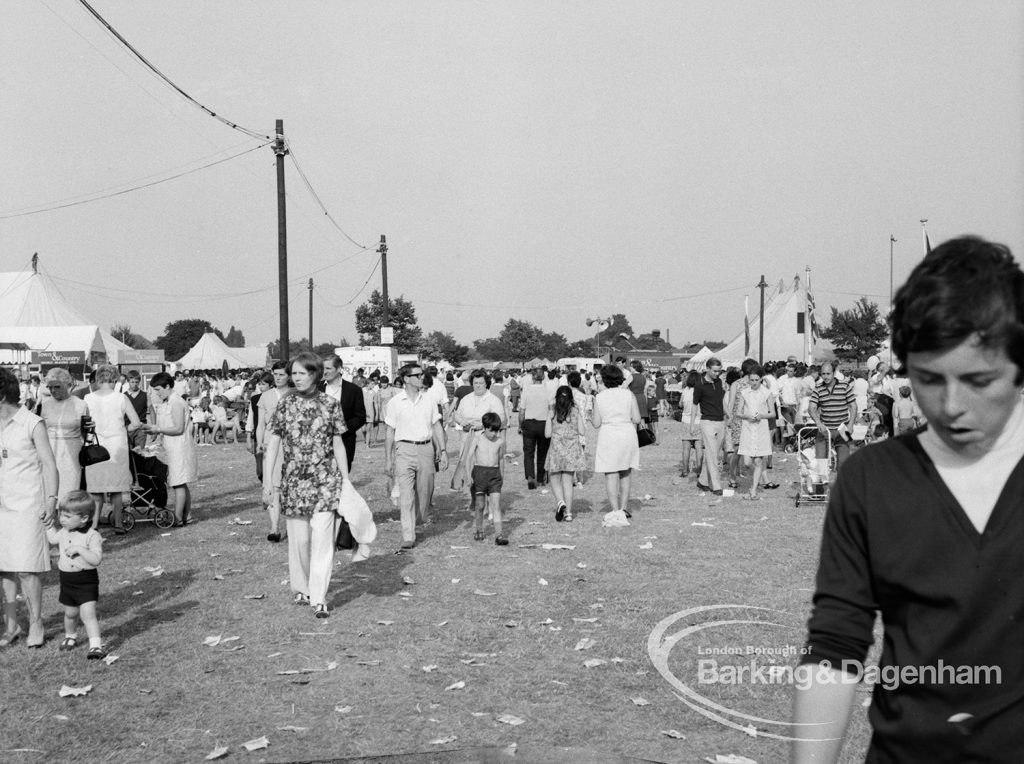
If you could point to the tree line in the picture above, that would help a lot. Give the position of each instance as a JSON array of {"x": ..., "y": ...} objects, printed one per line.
[{"x": 856, "y": 334}]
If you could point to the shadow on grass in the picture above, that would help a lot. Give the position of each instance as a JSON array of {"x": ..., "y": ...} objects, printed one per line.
[{"x": 143, "y": 610}]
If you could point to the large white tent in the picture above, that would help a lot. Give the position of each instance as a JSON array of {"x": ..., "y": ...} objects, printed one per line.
[
  {"x": 210, "y": 352},
  {"x": 787, "y": 332},
  {"x": 33, "y": 311}
]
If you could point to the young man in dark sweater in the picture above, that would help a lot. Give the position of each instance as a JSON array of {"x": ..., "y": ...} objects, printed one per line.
[{"x": 927, "y": 529}]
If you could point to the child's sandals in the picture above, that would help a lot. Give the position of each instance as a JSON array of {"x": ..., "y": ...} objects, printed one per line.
[
  {"x": 96, "y": 653},
  {"x": 478, "y": 536},
  {"x": 69, "y": 643}
]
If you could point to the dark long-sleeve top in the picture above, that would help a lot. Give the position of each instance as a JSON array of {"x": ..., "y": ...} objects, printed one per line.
[{"x": 896, "y": 541}]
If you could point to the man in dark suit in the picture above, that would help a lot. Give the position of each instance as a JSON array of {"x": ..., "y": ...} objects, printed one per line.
[{"x": 351, "y": 398}]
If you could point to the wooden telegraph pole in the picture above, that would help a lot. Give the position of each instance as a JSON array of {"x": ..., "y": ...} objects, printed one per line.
[
  {"x": 282, "y": 241},
  {"x": 311, "y": 315},
  {"x": 385, "y": 313},
  {"x": 760, "y": 324}
]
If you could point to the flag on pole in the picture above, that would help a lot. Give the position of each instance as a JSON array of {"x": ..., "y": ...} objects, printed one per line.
[{"x": 746, "y": 326}]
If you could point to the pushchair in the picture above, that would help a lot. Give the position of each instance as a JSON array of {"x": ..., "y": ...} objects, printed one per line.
[
  {"x": 149, "y": 492},
  {"x": 814, "y": 476}
]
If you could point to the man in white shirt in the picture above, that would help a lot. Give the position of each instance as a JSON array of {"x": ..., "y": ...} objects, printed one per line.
[{"x": 414, "y": 448}]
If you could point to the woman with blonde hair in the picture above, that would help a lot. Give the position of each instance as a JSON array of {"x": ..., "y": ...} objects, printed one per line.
[
  {"x": 108, "y": 410},
  {"x": 62, "y": 413}
]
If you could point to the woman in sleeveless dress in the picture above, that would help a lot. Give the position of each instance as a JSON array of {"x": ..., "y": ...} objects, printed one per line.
[
  {"x": 28, "y": 501},
  {"x": 62, "y": 413},
  {"x": 616, "y": 416},
  {"x": 566, "y": 429},
  {"x": 108, "y": 410},
  {"x": 172, "y": 423}
]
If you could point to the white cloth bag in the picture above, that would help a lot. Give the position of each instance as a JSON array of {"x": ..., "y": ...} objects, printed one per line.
[{"x": 356, "y": 512}]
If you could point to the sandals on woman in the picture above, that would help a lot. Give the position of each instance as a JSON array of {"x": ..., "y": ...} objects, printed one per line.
[
  {"x": 69, "y": 643},
  {"x": 301, "y": 599},
  {"x": 96, "y": 653},
  {"x": 560, "y": 512},
  {"x": 11, "y": 637},
  {"x": 478, "y": 536}
]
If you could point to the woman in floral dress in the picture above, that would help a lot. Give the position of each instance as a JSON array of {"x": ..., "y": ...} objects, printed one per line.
[
  {"x": 566, "y": 429},
  {"x": 307, "y": 427}
]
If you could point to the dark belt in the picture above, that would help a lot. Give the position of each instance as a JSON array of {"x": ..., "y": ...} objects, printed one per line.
[{"x": 415, "y": 442}]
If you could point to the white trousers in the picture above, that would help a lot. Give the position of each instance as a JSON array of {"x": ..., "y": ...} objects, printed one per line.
[{"x": 311, "y": 555}]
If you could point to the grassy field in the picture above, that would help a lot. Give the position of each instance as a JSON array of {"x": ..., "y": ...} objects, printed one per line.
[{"x": 455, "y": 641}]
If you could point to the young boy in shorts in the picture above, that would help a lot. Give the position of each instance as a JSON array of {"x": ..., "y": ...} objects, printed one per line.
[
  {"x": 488, "y": 460},
  {"x": 81, "y": 550}
]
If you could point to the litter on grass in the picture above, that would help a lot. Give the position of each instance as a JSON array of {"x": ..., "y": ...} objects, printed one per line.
[
  {"x": 254, "y": 596},
  {"x": 73, "y": 692},
  {"x": 594, "y": 663},
  {"x": 456, "y": 686},
  {"x": 640, "y": 702},
  {"x": 702, "y": 525},
  {"x": 648, "y": 545},
  {"x": 384, "y": 623},
  {"x": 729, "y": 758},
  {"x": 256, "y": 744},
  {"x": 482, "y": 593},
  {"x": 217, "y": 753},
  {"x": 542, "y": 581},
  {"x": 585, "y": 644},
  {"x": 444, "y": 740},
  {"x": 292, "y": 728},
  {"x": 585, "y": 620},
  {"x": 239, "y": 521},
  {"x": 568, "y": 547},
  {"x": 110, "y": 659},
  {"x": 430, "y": 668},
  {"x": 512, "y": 721}
]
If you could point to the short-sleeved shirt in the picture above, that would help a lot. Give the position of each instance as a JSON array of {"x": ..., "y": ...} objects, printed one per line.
[
  {"x": 534, "y": 402},
  {"x": 474, "y": 406},
  {"x": 833, "y": 403},
  {"x": 710, "y": 398},
  {"x": 65, "y": 538},
  {"x": 412, "y": 420}
]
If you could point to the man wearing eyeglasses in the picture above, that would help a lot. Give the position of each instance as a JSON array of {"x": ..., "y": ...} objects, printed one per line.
[
  {"x": 415, "y": 438},
  {"x": 710, "y": 396}
]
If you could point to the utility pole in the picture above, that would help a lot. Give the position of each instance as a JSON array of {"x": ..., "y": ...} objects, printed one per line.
[
  {"x": 385, "y": 313},
  {"x": 282, "y": 240},
  {"x": 311, "y": 315},
  {"x": 760, "y": 328}
]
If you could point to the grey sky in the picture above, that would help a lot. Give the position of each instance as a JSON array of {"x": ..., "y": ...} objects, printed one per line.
[{"x": 541, "y": 160}]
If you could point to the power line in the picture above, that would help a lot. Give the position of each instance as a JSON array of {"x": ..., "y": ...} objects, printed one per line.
[
  {"x": 50, "y": 207},
  {"x": 316, "y": 196},
  {"x": 162, "y": 76},
  {"x": 353, "y": 298}
]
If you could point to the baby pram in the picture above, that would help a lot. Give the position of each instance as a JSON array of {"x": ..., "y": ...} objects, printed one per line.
[
  {"x": 814, "y": 472},
  {"x": 149, "y": 492}
]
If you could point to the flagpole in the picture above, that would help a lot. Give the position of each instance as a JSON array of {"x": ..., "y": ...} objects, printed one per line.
[
  {"x": 924, "y": 236},
  {"x": 892, "y": 240},
  {"x": 746, "y": 325},
  {"x": 808, "y": 326}
]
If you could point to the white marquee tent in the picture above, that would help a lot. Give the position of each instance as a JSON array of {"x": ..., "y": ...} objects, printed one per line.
[
  {"x": 33, "y": 311},
  {"x": 210, "y": 352},
  {"x": 786, "y": 330}
]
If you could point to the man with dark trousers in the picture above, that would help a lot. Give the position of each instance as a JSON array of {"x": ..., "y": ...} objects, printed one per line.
[{"x": 350, "y": 396}]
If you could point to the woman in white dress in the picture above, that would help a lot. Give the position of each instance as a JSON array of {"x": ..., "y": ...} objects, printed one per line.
[
  {"x": 616, "y": 415},
  {"x": 62, "y": 413},
  {"x": 172, "y": 422},
  {"x": 108, "y": 410},
  {"x": 756, "y": 405},
  {"x": 28, "y": 501}
]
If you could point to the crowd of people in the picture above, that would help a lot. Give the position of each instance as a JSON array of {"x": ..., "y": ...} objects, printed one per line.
[
  {"x": 733, "y": 420},
  {"x": 946, "y": 492}
]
